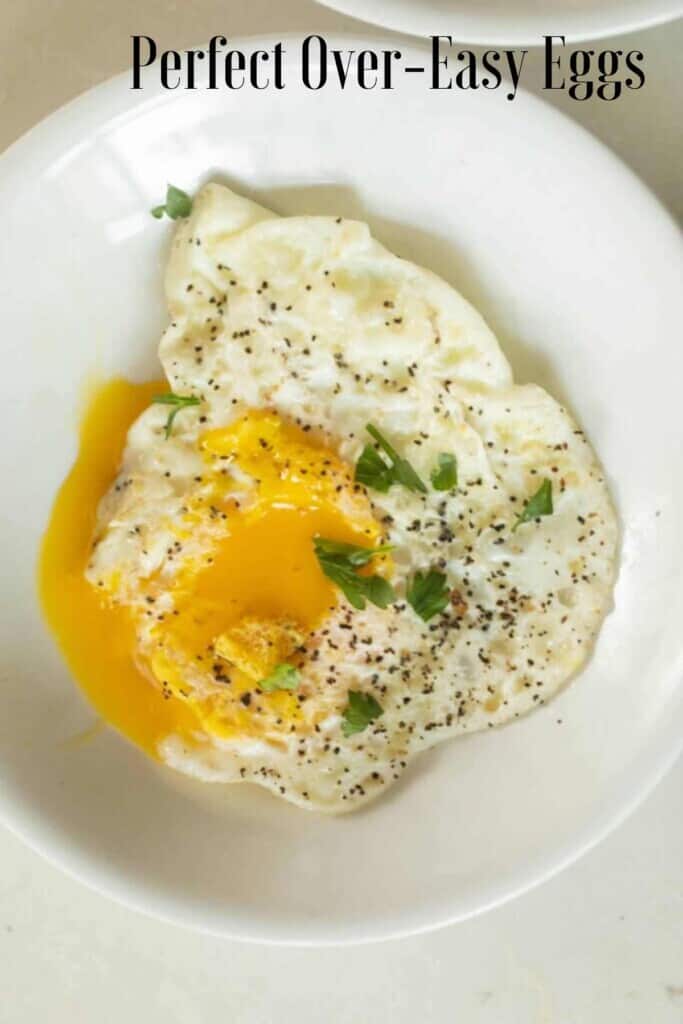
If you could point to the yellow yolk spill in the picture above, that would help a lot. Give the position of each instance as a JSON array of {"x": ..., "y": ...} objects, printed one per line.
[
  {"x": 261, "y": 568},
  {"x": 264, "y": 568},
  {"x": 97, "y": 641}
]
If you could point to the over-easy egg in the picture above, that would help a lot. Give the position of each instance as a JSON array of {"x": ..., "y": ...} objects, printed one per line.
[{"x": 294, "y": 335}]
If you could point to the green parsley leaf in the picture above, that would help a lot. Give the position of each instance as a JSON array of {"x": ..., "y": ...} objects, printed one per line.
[
  {"x": 283, "y": 677},
  {"x": 539, "y": 504},
  {"x": 355, "y": 554},
  {"x": 340, "y": 562},
  {"x": 178, "y": 402},
  {"x": 346, "y": 579},
  {"x": 373, "y": 471},
  {"x": 178, "y": 204},
  {"x": 428, "y": 593},
  {"x": 361, "y": 709},
  {"x": 445, "y": 474},
  {"x": 378, "y": 590}
]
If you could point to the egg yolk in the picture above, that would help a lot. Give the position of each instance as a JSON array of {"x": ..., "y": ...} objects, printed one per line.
[
  {"x": 96, "y": 639},
  {"x": 248, "y": 603},
  {"x": 252, "y": 601}
]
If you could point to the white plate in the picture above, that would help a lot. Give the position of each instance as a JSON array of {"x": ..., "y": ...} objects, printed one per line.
[
  {"x": 511, "y": 22},
  {"x": 576, "y": 267}
]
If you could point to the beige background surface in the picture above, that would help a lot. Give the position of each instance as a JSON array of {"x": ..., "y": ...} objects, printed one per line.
[{"x": 600, "y": 944}]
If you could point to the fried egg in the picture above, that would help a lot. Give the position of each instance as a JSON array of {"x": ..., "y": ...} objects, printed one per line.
[{"x": 263, "y": 661}]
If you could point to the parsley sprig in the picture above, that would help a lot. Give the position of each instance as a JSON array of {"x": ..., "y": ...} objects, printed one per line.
[
  {"x": 374, "y": 471},
  {"x": 178, "y": 402},
  {"x": 340, "y": 563},
  {"x": 178, "y": 204},
  {"x": 445, "y": 476},
  {"x": 283, "y": 677},
  {"x": 428, "y": 594},
  {"x": 539, "y": 504},
  {"x": 361, "y": 709}
]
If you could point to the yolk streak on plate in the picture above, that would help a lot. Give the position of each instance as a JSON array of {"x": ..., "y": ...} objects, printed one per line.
[{"x": 96, "y": 640}]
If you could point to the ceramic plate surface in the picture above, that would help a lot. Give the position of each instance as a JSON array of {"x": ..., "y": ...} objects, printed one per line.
[
  {"x": 511, "y": 22},
  {"x": 578, "y": 270}
]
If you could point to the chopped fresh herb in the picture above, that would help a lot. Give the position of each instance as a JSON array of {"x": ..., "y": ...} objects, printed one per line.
[
  {"x": 378, "y": 590},
  {"x": 178, "y": 402},
  {"x": 178, "y": 204},
  {"x": 445, "y": 474},
  {"x": 346, "y": 579},
  {"x": 340, "y": 562},
  {"x": 428, "y": 593},
  {"x": 539, "y": 504},
  {"x": 374, "y": 472},
  {"x": 361, "y": 709},
  {"x": 283, "y": 677},
  {"x": 355, "y": 554}
]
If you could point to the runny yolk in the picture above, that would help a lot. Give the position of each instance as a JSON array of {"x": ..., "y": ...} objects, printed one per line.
[
  {"x": 251, "y": 599},
  {"x": 98, "y": 641},
  {"x": 265, "y": 565},
  {"x": 261, "y": 572}
]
